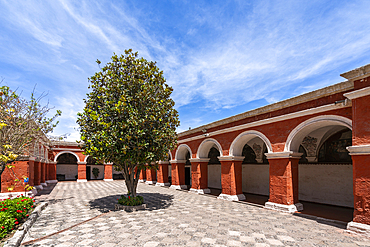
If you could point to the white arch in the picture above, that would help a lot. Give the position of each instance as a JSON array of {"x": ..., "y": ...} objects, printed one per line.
[
  {"x": 181, "y": 152},
  {"x": 206, "y": 145},
  {"x": 303, "y": 129},
  {"x": 87, "y": 156},
  {"x": 237, "y": 145},
  {"x": 66, "y": 152},
  {"x": 169, "y": 152}
]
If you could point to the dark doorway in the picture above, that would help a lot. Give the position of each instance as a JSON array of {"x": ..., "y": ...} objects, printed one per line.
[
  {"x": 187, "y": 175},
  {"x": 88, "y": 172}
]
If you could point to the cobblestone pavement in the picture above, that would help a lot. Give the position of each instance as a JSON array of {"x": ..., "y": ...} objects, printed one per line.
[{"x": 173, "y": 218}]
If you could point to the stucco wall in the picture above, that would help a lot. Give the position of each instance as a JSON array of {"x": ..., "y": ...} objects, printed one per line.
[
  {"x": 214, "y": 176},
  {"x": 101, "y": 171},
  {"x": 330, "y": 184},
  {"x": 256, "y": 179},
  {"x": 70, "y": 171}
]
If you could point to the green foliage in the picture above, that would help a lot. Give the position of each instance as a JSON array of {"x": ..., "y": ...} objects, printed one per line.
[
  {"x": 22, "y": 124},
  {"x": 95, "y": 172},
  {"x": 131, "y": 200},
  {"x": 129, "y": 118},
  {"x": 13, "y": 212}
]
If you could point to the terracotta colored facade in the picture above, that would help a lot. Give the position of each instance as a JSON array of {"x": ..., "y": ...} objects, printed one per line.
[{"x": 280, "y": 136}]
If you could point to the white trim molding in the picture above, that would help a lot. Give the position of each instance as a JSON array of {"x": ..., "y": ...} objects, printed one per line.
[
  {"x": 199, "y": 160},
  {"x": 282, "y": 155},
  {"x": 162, "y": 184},
  {"x": 358, "y": 93},
  {"x": 243, "y": 138},
  {"x": 81, "y": 163},
  {"x": 108, "y": 179},
  {"x": 303, "y": 129},
  {"x": 359, "y": 150},
  {"x": 200, "y": 191},
  {"x": 357, "y": 73},
  {"x": 180, "y": 152},
  {"x": 150, "y": 182},
  {"x": 81, "y": 180},
  {"x": 66, "y": 152},
  {"x": 51, "y": 181},
  {"x": 359, "y": 228},
  {"x": 163, "y": 162},
  {"x": 284, "y": 208},
  {"x": 240, "y": 197},
  {"x": 231, "y": 158},
  {"x": 178, "y": 161},
  {"x": 142, "y": 180},
  {"x": 206, "y": 145},
  {"x": 293, "y": 115},
  {"x": 179, "y": 187}
]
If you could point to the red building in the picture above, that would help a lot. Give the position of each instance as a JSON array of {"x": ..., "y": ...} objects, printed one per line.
[{"x": 314, "y": 147}]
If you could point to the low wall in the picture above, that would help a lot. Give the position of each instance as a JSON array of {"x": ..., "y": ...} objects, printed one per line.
[
  {"x": 256, "y": 178},
  {"x": 329, "y": 184},
  {"x": 70, "y": 171},
  {"x": 214, "y": 176}
]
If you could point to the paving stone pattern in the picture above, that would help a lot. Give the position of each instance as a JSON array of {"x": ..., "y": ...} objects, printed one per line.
[{"x": 172, "y": 218}]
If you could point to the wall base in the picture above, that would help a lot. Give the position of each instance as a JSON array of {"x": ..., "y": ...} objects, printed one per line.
[
  {"x": 179, "y": 187},
  {"x": 52, "y": 181},
  {"x": 108, "y": 179},
  {"x": 162, "y": 184},
  {"x": 200, "y": 191},
  {"x": 284, "y": 208},
  {"x": 151, "y": 182},
  {"x": 81, "y": 180},
  {"x": 226, "y": 197},
  {"x": 359, "y": 228},
  {"x": 39, "y": 187},
  {"x": 142, "y": 180},
  {"x": 30, "y": 193}
]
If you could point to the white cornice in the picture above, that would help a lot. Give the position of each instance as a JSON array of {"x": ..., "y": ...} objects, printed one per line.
[
  {"x": 282, "y": 155},
  {"x": 357, "y": 73},
  {"x": 311, "y": 111},
  {"x": 163, "y": 162},
  {"x": 68, "y": 149},
  {"x": 359, "y": 150},
  {"x": 358, "y": 93},
  {"x": 81, "y": 163}
]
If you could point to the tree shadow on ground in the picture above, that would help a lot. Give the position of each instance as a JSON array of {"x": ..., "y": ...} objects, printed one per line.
[{"x": 153, "y": 201}]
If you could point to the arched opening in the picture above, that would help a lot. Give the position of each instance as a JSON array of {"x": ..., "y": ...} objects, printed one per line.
[
  {"x": 325, "y": 177},
  {"x": 255, "y": 171},
  {"x": 95, "y": 170},
  {"x": 214, "y": 171},
  {"x": 67, "y": 168}
]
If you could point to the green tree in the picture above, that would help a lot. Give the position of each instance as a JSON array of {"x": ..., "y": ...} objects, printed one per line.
[
  {"x": 22, "y": 124},
  {"x": 129, "y": 118}
]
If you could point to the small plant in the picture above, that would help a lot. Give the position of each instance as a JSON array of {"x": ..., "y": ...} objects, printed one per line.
[
  {"x": 12, "y": 212},
  {"x": 95, "y": 172},
  {"x": 130, "y": 200}
]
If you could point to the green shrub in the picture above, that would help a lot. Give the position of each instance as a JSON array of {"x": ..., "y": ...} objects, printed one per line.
[
  {"x": 130, "y": 200},
  {"x": 12, "y": 212}
]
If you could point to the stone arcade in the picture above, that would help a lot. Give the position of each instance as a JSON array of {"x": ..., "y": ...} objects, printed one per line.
[{"x": 314, "y": 147}]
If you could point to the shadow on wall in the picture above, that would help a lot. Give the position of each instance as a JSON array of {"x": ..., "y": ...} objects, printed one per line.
[{"x": 153, "y": 201}]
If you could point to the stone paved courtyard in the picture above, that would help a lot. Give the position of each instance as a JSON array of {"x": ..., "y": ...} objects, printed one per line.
[{"x": 173, "y": 218}]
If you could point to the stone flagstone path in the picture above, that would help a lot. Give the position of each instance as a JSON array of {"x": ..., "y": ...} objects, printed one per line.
[{"x": 173, "y": 218}]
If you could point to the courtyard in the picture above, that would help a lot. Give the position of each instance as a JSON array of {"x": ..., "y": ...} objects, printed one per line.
[{"x": 82, "y": 214}]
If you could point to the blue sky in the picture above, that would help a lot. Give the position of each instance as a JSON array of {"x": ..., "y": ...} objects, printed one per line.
[{"x": 221, "y": 57}]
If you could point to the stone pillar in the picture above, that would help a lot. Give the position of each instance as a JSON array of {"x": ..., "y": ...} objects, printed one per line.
[
  {"x": 231, "y": 178},
  {"x": 43, "y": 173},
  {"x": 52, "y": 172},
  {"x": 142, "y": 177},
  {"x": 162, "y": 174},
  {"x": 360, "y": 154},
  {"x": 37, "y": 174},
  {"x": 151, "y": 176},
  {"x": 81, "y": 177},
  {"x": 199, "y": 176},
  {"x": 108, "y": 172},
  {"x": 284, "y": 182},
  {"x": 178, "y": 174}
]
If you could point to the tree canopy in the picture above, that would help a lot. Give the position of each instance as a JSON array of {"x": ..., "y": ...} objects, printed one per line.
[
  {"x": 23, "y": 123},
  {"x": 129, "y": 118}
]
